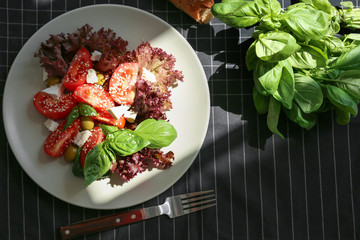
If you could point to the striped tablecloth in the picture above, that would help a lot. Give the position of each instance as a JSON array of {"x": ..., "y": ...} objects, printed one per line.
[{"x": 305, "y": 186}]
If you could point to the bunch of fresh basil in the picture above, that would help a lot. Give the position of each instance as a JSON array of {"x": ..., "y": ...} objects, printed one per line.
[
  {"x": 300, "y": 64},
  {"x": 150, "y": 133}
]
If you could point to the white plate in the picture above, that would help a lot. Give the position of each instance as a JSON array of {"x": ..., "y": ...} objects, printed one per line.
[{"x": 26, "y": 133}]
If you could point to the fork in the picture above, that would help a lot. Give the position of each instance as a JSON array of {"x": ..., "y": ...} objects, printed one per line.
[{"x": 173, "y": 207}]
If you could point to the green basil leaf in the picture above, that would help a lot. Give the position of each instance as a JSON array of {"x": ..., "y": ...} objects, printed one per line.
[
  {"x": 350, "y": 81},
  {"x": 269, "y": 22},
  {"x": 342, "y": 117},
  {"x": 77, "y": 169},
  {"x": 261, "y": 102},
  {"x": 73, "y": 115},
  {"x": 126, "y": 142},
  {"x": 272, "y": 7},
  {"x": 159, "y": 133},
  {"x": 347, "y": 4},
  {"x": 259, "y": 87},
  {"x": 308, "y": 57},
  {"x": 237, "y": 14},
  {"x": 298, "y": 5},
  {"x": 323, "y": 5},
  {"x": 333, "y": 45},
  {"x": 87, "y": 110},
  {"x": 275, "y": 46},
  {"x": 98, "y": 161},
  {"x": 106, "y": 129},
  {"x": 296, "y": 115},
  {"x": 308, "y": 93},
  {"x": 273, "y": 116},
  {"x": 251, "y": 59},
  {"x": 307, "y": 23},
  {"x": 286, "y": 89},
  {"x": 349, "y": 60},
  {"x": 333, "y": 73},
  {"x": 341, "y": 100},
  {"x": 109, "y": 151},
  {"x": 352, "y": 36},
  {"x": 268, "y": 74}
]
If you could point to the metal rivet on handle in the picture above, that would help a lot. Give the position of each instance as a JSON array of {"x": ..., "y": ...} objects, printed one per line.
[
  {"x": 133, "y": 216},
  {"x": 118, "y": 220},
  {"x": 67, "y": 231}
]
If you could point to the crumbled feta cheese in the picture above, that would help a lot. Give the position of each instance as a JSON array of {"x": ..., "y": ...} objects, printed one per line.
[
  {"x": 148, "y": 76},
  {"x": 91, "y": 76},
  {"x": 55, "y": 90},
  {"x": 51, "y": 124},
  {"x": 130, "y": 116},
  {"x": 82, "y": 137},
  {"x": 95, "y": 56},
  {"x": 117, "y": 112},
  {"x": 45, "y": 75},
  {"x": 122, "y": 111}
]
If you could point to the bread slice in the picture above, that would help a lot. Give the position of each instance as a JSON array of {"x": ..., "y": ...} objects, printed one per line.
[{"x": 200, "y": 10}]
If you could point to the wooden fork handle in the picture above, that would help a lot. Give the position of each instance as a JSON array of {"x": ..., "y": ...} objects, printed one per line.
[{"x": 102, "y": 223}]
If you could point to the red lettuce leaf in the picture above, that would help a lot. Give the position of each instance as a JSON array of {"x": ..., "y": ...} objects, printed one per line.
[
  {"x": 57, "y": 52},
  {"x": 112, "y": 48},
  {"x": 129, "y": 166}
]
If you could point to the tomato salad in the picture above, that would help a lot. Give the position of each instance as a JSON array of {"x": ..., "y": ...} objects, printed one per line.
[{"x": 105, "y": 105}]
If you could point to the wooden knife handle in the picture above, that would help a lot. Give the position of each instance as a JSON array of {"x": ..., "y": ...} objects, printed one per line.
[{"x": 102, "y": 223}]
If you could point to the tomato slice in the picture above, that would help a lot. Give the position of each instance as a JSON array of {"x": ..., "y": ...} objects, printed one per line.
[
  {"x": 78, "y": 69},
  {"x": 122, "y": 83},
  {"x": 95, "y": 96},
  {"x": 97, "y": 136},
  {"x": 106, "y": 118},
  {"x": 54, "y": 108},
  {"x": 57, "y": 142}
]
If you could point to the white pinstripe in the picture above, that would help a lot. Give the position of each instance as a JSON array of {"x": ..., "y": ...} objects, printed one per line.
[
  {"x": 305, "y": 182},
  {"x": 275, "y": 190},
  {"x": 51, "y": 10},
  {"x": 260, "y": 186},
  {"x": 38, "y": 211},
  {"x": 53, "y": 216},
  {"x": 229, "y": 144},
  {"x": 335, "y": 174},
  {"x": 244, "y": 151},
  {"x": 173, "y": 220},
  {"x": 188, "y": 215},
  {"x": 201, "y": 189},
  {"x": 23, "y": 202},
  {"x": 320, "y": 179},
  {"x": 7, "y": 146},
  {"x": 8, "y": 190},
  {"x": 22, "y": 172},
  {"x": 351, "y": 182},
  {"x": 200, "y": 173},
  {"x": 98, "y": 213},
  {"x": 128, "y": 228},
  {"x": 158, "y": 218},
  {"x": 214, "y": 142},
  {"x": 290, "y": 185}
]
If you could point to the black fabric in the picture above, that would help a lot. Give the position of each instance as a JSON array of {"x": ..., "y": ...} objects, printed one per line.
[{"x": 305, "y": 186}]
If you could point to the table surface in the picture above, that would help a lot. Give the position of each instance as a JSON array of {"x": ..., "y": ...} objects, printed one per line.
[{"x": 301, "y": 187}]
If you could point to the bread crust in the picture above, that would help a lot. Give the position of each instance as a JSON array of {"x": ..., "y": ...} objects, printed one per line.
[{"x": 199, "y": 10}]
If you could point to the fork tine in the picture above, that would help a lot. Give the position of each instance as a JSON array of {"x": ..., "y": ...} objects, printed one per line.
[
  {"x": 193, "y": 204},
  {"x": 187, "y": 195},
  {"x": 189, "y": 200},
  {"x": 191, "y": 210}
]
